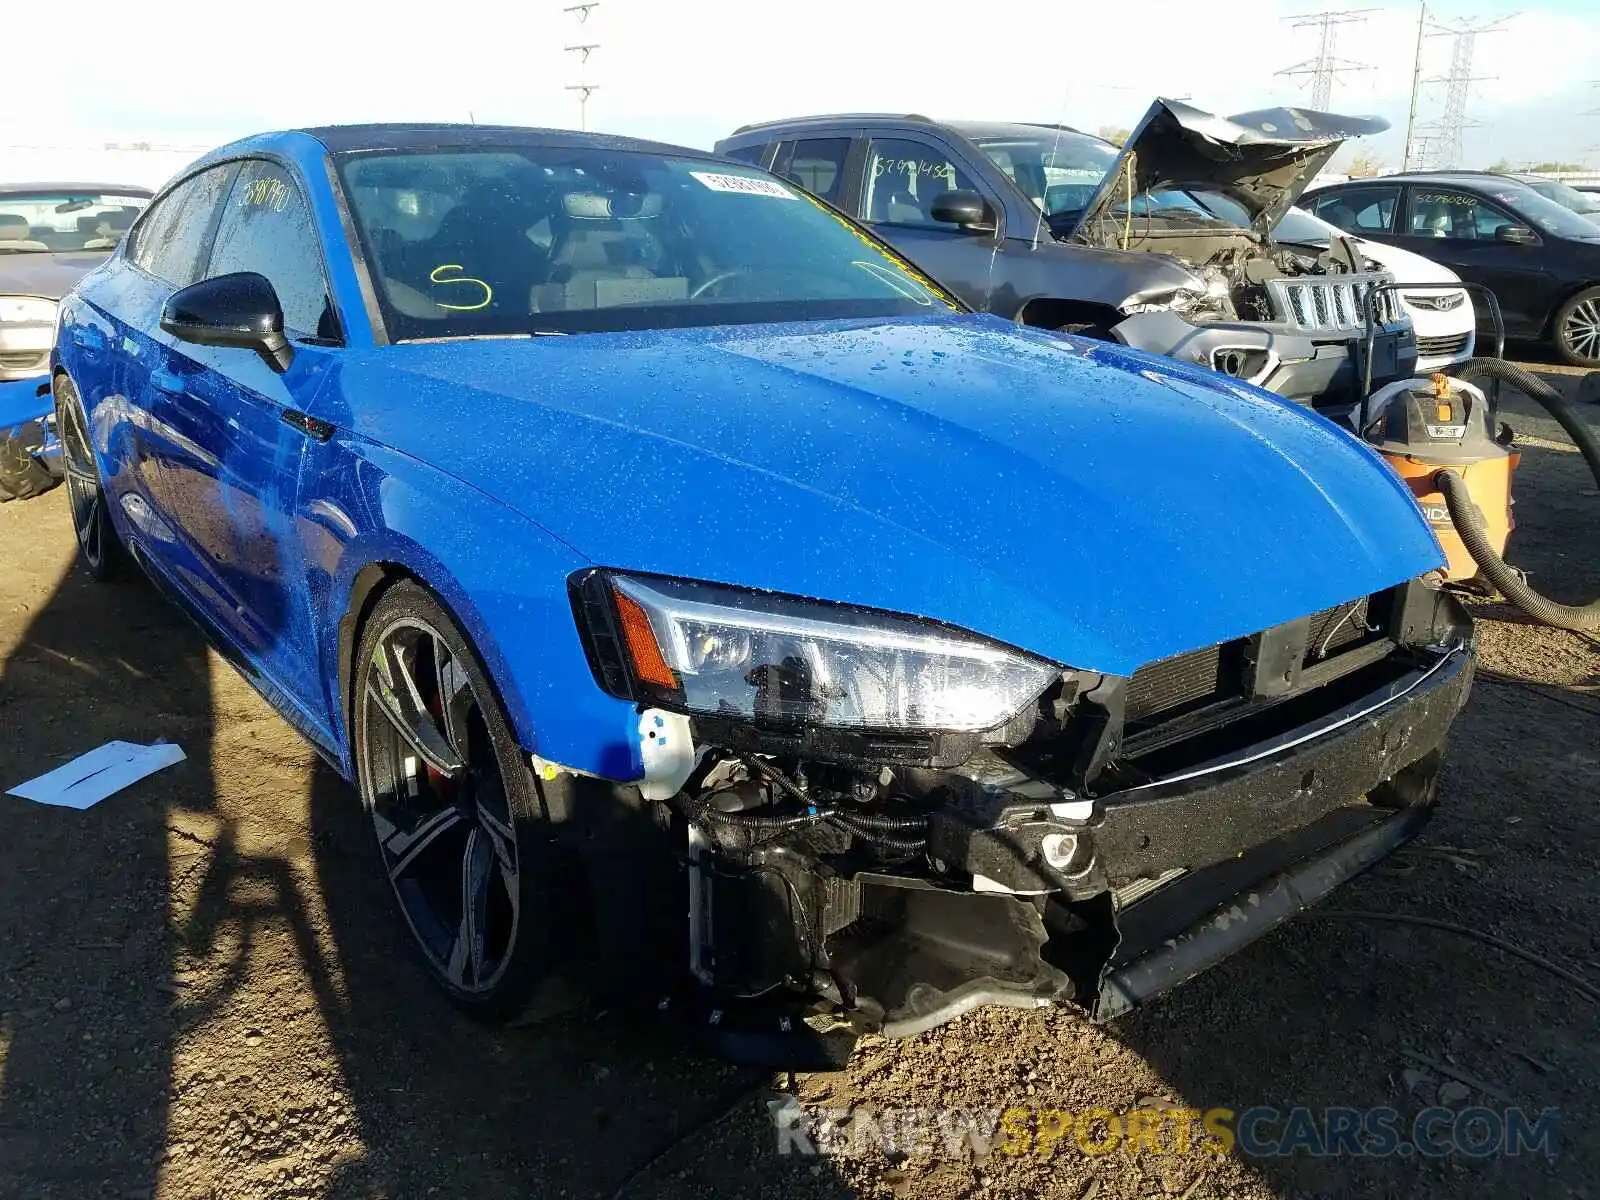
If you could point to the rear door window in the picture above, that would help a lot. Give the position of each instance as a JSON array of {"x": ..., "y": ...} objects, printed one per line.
[
  {"x": 817, "y": 165},
  {"x": 749, "y": 154},
  {"x": 173, "y": 235},
  {"x": 1364, "y": 210}
]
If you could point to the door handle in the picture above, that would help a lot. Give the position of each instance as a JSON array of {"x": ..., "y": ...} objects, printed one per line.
[
  {"x": 88, "y": 337},
  {"x": 165, "y": 379}
]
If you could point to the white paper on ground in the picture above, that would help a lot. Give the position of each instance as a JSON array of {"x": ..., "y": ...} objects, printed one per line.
[{"x": 90, "y": 778}]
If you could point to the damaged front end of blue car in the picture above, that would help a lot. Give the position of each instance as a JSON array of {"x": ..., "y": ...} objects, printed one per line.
[
  {"x": 30, "y": 453},
  {"x": 998, "y": 831},
  {"x": 988, "y": 668}
]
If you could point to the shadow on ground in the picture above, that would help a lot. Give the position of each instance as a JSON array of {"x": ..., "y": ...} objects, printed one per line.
[{"x": 87, "y": 1024}]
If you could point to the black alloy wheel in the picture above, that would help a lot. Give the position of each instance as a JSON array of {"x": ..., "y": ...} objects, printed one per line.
[
  {"x": 463, "y": 828},
  {"x": 100, "y": 550}
]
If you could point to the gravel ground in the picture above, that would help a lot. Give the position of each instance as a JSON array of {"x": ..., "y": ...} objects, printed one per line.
[{"x": 203, "y": 993}]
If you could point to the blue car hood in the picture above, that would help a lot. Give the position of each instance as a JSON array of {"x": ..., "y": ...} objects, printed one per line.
[{"x": 1092, "y": 504}]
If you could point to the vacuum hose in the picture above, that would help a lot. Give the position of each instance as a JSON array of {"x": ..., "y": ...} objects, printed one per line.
[{"x": 1464, "y": 514}]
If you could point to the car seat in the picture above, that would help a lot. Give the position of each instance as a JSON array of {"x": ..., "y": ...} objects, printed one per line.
[
  {"x": 106, "y": 230},
  {"x": 602, "y": 253},
  {"x": 14, "y": 232},
  {"x": 486, "y": 236},
  {"x": 894, "y": 201}
]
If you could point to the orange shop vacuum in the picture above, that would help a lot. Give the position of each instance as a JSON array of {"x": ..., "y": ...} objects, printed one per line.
[{"x": 1442, "y": 436}]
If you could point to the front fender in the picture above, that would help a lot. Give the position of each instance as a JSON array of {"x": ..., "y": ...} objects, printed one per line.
[{"x": 367, "y": 514}]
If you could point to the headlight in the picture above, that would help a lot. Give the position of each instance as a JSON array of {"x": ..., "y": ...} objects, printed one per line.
[
  {"x": 27, "y": 310},
  {"x": 703, "y": 648}
]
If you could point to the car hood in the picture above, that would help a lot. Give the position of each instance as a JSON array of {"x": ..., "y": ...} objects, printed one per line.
[
  {"x": 1087, "y": 502},
  {"x": 41, "y": 273},
  {"x": 1263, "y": 160}
]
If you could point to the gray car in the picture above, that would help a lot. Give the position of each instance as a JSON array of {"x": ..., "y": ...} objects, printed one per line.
[
  {"x": 51, "y": 236},
  {"x": 1164, "y": 244}
]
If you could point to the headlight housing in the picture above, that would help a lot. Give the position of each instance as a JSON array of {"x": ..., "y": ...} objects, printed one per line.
[
  {"x": 27, "y": 310},
  {"x": 783, "y": 660}
]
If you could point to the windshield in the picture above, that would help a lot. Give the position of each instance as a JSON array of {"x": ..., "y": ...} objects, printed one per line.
[
  {"x": 1567, "y": 197},
  {"x": 52, "y": 222},
  {"x": 529, "y": 239},
  {"x": 1541, "y": 212},
  {"x": 1300, "y": 227},
  {"x": 1058, "y": 171}
]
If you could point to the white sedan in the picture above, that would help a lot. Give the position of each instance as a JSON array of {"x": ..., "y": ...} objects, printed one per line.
[{"x": 1445, "y": 319}]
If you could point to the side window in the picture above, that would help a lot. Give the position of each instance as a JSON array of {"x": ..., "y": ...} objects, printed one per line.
[
  {"x": 267, "y": 228},
  {"x": 749, "y": 154},
  {"x": 1367, "y": 210},
  {"x": 818, "y": 166},
  {"x": 1459, "y": 216},
  {"x": 171, "y": 238},
  {"x": 903, "y": 177}
]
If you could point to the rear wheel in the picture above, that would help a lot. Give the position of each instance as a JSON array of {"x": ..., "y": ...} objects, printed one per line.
[
  {"x": 464, "y": 830},
  {"x": 1577, "y": 329},
  {"x": 100, "y": 550}
]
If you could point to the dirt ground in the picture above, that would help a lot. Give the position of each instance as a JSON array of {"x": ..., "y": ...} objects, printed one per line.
[{"x": 204, "y": 993}]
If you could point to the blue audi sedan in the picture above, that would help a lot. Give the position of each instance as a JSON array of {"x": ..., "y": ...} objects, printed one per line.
[{"x": 707, "y": 607}]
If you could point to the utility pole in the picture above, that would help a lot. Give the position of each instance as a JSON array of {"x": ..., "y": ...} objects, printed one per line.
[
  {"x": 1458, "y": 85},
  {"x": 1325, "y": 67},
  {"x": 1416, "y": 90},
  {"x": 584, "y": 88}
]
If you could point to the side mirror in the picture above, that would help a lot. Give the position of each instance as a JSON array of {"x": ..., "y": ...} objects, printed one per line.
[
  {"x": 1517, "y": 235},
  {"x": 239, "y": 310},
  {"x": 966, "y": 209}
]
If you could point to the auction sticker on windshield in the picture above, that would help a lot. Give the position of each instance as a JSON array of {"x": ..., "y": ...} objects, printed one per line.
[{"x": 748, "y": 184}]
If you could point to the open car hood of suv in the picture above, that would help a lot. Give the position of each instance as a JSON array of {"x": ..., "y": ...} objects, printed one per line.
[{"x": 1262, "y": 160}]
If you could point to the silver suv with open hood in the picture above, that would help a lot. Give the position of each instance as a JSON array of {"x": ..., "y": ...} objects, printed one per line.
[{"x": 1164, "y": 245}]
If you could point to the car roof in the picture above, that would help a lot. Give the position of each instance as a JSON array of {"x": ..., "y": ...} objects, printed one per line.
[
  {"x": 116, "y": 189},
  {"x": 968, "y": 129},
  {"x": 1465, "y": 178},
  {"x": 849, "y": 118},
  {"x": 428, "y": 136}
]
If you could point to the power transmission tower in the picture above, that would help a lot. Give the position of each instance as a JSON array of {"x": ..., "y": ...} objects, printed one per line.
[
  {"x": 1326, "y": 66},
  {"x": 1445, "y": 145},
  {"x": 584, "y": 88}
]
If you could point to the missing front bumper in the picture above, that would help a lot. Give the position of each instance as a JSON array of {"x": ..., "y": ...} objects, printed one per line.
[{"x": 1135, "y": 892}]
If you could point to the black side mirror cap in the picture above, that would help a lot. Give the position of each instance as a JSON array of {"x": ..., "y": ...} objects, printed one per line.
[
  {"x": 1517, "y": 235},
  {"x": 964, "y": 208},
  {"x": 241, "y": 311}
]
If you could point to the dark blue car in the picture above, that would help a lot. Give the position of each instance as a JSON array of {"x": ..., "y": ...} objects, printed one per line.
[{"x": 702, "y": 599}]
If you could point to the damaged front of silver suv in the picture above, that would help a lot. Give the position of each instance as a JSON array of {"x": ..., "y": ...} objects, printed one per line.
[{"x": 1207, "y": 191}]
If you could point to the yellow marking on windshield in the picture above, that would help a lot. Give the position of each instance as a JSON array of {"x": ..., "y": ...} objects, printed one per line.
[{"x": 488, "y": 292}]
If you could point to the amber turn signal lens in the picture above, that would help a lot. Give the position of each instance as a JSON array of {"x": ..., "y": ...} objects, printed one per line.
[{"x": 648, "y": 664}]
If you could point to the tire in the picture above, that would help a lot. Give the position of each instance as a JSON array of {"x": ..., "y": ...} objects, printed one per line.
[
  {"x": 22, "y": 477},
  {"x": 1577, "y": 329},
  {"x": 100, "y": 551},
  {"x": 465, "y": 833}
]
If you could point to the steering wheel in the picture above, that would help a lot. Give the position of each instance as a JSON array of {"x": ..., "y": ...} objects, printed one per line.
[{"x": 719, "y": 277}]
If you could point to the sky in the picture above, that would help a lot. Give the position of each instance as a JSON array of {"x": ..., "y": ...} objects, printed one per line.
[{"x": 187, "y": 76}]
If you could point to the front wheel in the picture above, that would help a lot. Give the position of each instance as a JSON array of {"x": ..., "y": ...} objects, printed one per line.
[
  {"x": 464, "y": 830},
  {"x": 1577, "y": 329},
  {"x": 100, "y": 551}
]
